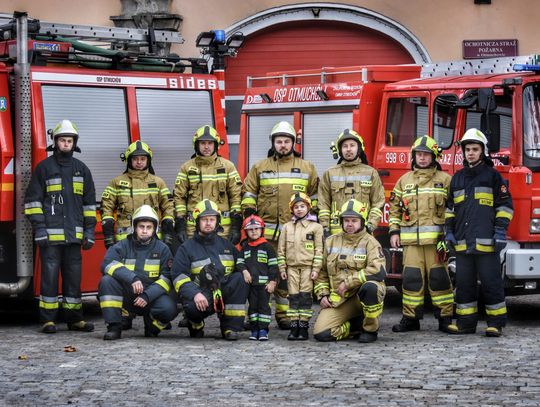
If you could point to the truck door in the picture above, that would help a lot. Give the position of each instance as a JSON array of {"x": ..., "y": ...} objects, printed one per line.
[
  {"x": 319, "y": 130},
  {"x": 168, "y": 120}
]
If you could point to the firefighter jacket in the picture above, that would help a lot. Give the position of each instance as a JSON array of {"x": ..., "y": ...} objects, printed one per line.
[
  {"x": 61, "y": 199},
  {"x": 269, "y": 185},
  {"x": 213, "y": 178},
  {"x": 301, "y": 244},
  {"x": 131, "y": 190},
  {"x": 259, "y": 258},
  {"x": 350, "y": 180},
  {"x": 478, "y": 202},
  {"x": 196, "y": 253},
  {"x": 129, "y": 260},
  {"x": 353, "y": 258},
  {"x": 417, "y": 206}
]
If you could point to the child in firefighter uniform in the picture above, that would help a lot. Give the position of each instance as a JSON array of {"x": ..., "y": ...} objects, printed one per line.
[
  {"x": 208, "y": 176},
  {"x": 416, "y": 221},
  {"x": 137, "y": 186},
  {"x": 351, "y": 285},
  {"x": 205, "y": 279},
  {"x": 351, "y": 178},
  {"x": 136, "y": 277},
  {"x": 479, "y": 210},
  {"x": 61, "y": 204},
  {"x": 300, "y": 251},
  {"x": 267, "y": 190},
  {"x": 257, "y": 262}
]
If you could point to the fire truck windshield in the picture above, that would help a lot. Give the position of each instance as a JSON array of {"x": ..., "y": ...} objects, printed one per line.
[{"x": 531, "y": 125}]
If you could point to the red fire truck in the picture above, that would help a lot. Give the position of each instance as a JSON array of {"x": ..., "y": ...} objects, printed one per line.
[
  {"x": 115, "y": 97},
  {"x": 442, "y": 100}
]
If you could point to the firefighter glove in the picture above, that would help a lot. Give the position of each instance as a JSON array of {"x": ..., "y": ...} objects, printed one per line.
[
  {"x": 450, "y": 240},
  {"x": 181, "y": 229},
  {"x": 167, "y": 230},
  {"x": 209, "y": 278},
  {"x": 249, "y": 211},
  {"x": 108, "y": 232},
  {"x": 236, "y": 225},
  {"x": 326, "y": 233},
  {"x": 41, "y": 238},
  {"x": 500, "y": 239}
]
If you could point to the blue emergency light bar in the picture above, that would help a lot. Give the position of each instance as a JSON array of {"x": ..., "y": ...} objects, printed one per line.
[
  {"x": 526, "y": 67},
  {"x": 219, "y": 36}
]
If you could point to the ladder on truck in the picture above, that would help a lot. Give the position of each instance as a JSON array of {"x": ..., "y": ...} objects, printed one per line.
[{"x": 481, "y": 66}]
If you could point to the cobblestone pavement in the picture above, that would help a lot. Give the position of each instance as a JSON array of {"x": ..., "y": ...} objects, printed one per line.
[{"x": 421, "y": 368}]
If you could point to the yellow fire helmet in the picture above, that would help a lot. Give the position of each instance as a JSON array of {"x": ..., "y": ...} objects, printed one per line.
[
  {"x": 206, "y": 133},
  {"x": 426, "y": 144},
  {"x": 354, "y": 209},
  {"x": 299, "y": 197},
  {"x": 206, "y": 207},
  {"x": 138, "y": 148}
]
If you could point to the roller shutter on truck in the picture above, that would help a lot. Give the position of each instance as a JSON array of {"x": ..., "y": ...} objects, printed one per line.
[
  {"x": 259, "y": 132},
  {"x": 168, "y": 120},
  {"x": 318, "y": 132},
  {"x": 101, "y": 117}
]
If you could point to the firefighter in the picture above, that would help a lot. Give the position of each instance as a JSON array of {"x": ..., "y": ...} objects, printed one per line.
[
  {"x": 267, "y": 190},
  {"x": 137, "y": 186},
  {"x": 207, "y": 175},
  {"x": 351, "y": 178},
  {"x": 205, "y": 278},
  {"x": 61, "y": 204},
  {"x": 417, "y": 207},
  {"x": 479, "y": 210},
  {"x": 351, "y": 286},
  {"x": 136, "y": 278}
]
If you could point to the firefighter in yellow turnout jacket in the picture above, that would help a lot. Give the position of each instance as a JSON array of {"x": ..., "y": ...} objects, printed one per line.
[
  {"x": 268, "y": 188},
  {"x": 208, "y": 176},
  {"x": 351, "y": 285},
  {"x": 137, "y": 186},
  {"x": 417, "y": 208},
  {"x": 351, "y": 178}
]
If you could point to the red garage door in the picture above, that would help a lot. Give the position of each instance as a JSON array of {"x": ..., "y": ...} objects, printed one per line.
[{"x": 310, "y": 44}]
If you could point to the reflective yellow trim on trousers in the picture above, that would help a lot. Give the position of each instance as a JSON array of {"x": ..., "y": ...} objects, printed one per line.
[
  {"x": 467, "y": 311},
  {"x": 343, "y": 331},
  {"x": 48, "y": 305},
  {"x": 111, "y": 304},
  {"x": 372, "y": 311},
  {"x": 282, "y": 307},
  {"x": 71, "y": 306},
  {"x": 234, "y": 313},
  {"x": 484, "y": 248},
  {"x": 442, "y": 299},
  {"x": 494, "y": 312},
  {"x": 413, "y": 300}
]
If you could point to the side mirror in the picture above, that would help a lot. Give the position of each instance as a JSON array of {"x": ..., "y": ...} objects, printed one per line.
[
  {"x": 490, "y": 125},
  {"x": 486, "y": 100},
  {"x": 468, "y": 99}
]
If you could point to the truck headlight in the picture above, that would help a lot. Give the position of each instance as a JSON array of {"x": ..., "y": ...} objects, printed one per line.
[{"x": 534, "y": 226}]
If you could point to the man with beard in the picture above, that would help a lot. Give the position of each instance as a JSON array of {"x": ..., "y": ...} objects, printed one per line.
[
  {"x": 351, "y": 178},
  {"x": 267, "y": 189}
]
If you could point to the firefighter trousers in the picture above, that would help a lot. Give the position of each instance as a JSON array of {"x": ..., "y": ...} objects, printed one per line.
[
  {"x": 280, "y": 295},
  {"x": 67, "y": 260},
  {"x": 234, "y": 291},
  {"x": 259, "y": 311},
  {"x": 300, "y": 287},
  {"x": 422, "y": 267},
  {"x": 360, "y": 312},
  {"x": 470, "y": 268},
  {"x": 114, "y": 295}
]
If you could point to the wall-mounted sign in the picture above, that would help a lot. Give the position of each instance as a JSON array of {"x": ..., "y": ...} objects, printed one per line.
[{"x": 489, "y": 48}]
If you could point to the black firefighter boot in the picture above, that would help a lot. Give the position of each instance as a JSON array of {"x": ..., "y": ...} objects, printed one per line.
[
  {"x": 293, "y": 335},
  {"x": 406, "y": 325},
  {"x": 443, "y": 323},
  {"x": 303, "y": 331},
  {"x": 114, "y": 331}
]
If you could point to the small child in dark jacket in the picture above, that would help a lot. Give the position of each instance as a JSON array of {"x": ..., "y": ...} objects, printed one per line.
[{"x": 258, "y": 263}]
